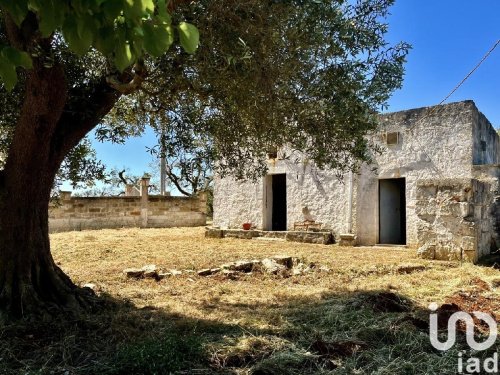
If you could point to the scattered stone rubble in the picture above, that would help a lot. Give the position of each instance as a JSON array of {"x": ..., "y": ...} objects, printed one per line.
[
  {"x": 277, "y": 265},
  {"x": 150, "y": 271}
]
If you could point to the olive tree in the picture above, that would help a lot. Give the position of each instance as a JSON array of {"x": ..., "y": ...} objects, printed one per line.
[{"x": 307, "y": 74}]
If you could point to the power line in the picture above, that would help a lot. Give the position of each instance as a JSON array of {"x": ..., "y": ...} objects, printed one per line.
[
  {"x": 471, "y": 72},
  {"x": 459, "y": 85},
  {"x": 436, "y": 107}
]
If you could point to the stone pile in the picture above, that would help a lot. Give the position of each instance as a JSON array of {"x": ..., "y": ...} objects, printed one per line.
[
  {"x": 277, "y": 265},
  {"x": 150, "y": 271}
]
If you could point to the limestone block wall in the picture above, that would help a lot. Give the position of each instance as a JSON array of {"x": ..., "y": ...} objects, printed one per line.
[
  {"x": 491, "y": 173},
  {"x": 76, "y": 213},
  {"x": 454, "y": 222}
]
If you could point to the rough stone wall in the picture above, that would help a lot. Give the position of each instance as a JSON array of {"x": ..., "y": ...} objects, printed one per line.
[
  {"x": 454, "y": 222},
  {"x": 491, "y": 173},
  {"x": 74, "y": 213}
]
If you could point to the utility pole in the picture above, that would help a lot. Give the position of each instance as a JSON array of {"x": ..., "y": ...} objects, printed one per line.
[
  {"x": 163, "y": 162},
  {"x": 162, "y": 172}
]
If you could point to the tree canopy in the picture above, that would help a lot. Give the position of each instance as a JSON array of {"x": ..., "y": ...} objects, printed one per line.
[{"x": 306, "y": 74}]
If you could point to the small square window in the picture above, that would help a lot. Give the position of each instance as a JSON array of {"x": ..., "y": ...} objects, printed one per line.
[
  {"x": 392, "y": 138},
  {"x": 272, "y": 153}
]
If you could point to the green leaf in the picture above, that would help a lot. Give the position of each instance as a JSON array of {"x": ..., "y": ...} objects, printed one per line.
[
  {"x": 157, "y": 38},
  {"x": 189, "y": 37},
  {"x": 18, "y": 9},
  {"x": 123, "y": 56},
  {"x": 148, "y": 6},
  {"x": 78, "y": 45},
  {"x": 87, "y": 26},
  {"x": 135, "y": 9},
  {"x": 8, "y": 74},
  {"x": 17, "y": 58},
  {"x": 112, "y": 8},
  {"x": 51, "y": 16},
  {"x": 105, "y": 40},
  {"x": 163, "y": 14}
]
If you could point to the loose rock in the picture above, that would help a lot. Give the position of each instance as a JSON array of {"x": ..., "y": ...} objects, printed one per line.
[
  {"x": 90, "y": 286},
  {"x": 233, "y": 275},
  {"x": 150, "y": 271},
  {"x": 271, "y": 266},
  {"x": 205, "y": 272},
  {"x": 284, "y": 260},
  {"x": 134, "y": 272}
]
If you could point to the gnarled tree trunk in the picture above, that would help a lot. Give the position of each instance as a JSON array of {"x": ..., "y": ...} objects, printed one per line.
[
  {"x": 31, "y": 284},
  {"x": 30, "y": 281}
]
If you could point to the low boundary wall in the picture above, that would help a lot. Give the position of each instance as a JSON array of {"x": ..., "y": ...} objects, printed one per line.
[{"x": 144, "y": 211}]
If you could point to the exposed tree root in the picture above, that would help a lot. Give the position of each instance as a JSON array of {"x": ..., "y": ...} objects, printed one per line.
[{"x": 43, "y": 293}]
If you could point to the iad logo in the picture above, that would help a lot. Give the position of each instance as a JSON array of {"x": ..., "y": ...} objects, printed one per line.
[{"x": 469, "y": 332}]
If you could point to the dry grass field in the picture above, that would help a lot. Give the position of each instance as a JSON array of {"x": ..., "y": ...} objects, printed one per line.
[{"x": 360, "y": 310}]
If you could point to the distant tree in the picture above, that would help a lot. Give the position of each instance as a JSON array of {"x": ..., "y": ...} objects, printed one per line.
[
  {"x": 309, "y": 74},
  {"x": 188, "y": 154},
  {"x": 113, "y": 184}
]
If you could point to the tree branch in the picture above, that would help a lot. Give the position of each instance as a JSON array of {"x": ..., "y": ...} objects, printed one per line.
[
  {"x": 81, "y": 115},
  {"x": 139, "y": 75},
  {"x": 175, "y": 180}
]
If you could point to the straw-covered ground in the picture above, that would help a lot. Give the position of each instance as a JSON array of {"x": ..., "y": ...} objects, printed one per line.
[{"x": 357, "y": 310}]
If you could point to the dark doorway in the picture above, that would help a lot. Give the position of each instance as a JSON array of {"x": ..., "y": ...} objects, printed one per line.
[
  {"x": 279, "y": 202},
  {"x": 392, "y": 211}
]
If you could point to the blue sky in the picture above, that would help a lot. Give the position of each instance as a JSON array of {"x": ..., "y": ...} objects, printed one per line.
[{"x": 449, "y": 37}]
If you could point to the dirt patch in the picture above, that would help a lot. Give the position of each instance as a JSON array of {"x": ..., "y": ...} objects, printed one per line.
[
  {"x": 475, "y": 301},
  {"x": 329, "y": 352},
  {"x": 480, "y": 284},
  {"x": 406, "y": 269}
]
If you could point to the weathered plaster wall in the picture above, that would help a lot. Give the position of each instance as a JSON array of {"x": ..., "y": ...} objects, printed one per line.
[
  {"x": 73, "y": 213},
  {"x": 237, "y": 202},
  {"x": 433, "y": 142},
  {"x": 320, "y": 192}
]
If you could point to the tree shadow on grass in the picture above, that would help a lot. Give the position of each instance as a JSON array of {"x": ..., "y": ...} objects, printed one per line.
[
  {"x": 338, "y": 333},
  {"x": 117, "y": 338}
]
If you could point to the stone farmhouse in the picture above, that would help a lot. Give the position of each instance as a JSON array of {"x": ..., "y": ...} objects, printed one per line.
[{"x": 432, "y": 188}]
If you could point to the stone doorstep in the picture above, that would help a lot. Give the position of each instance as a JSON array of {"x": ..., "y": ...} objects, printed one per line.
[
  {"x": 318, "y": 237},
  {"x": 347, "y": 239}
]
